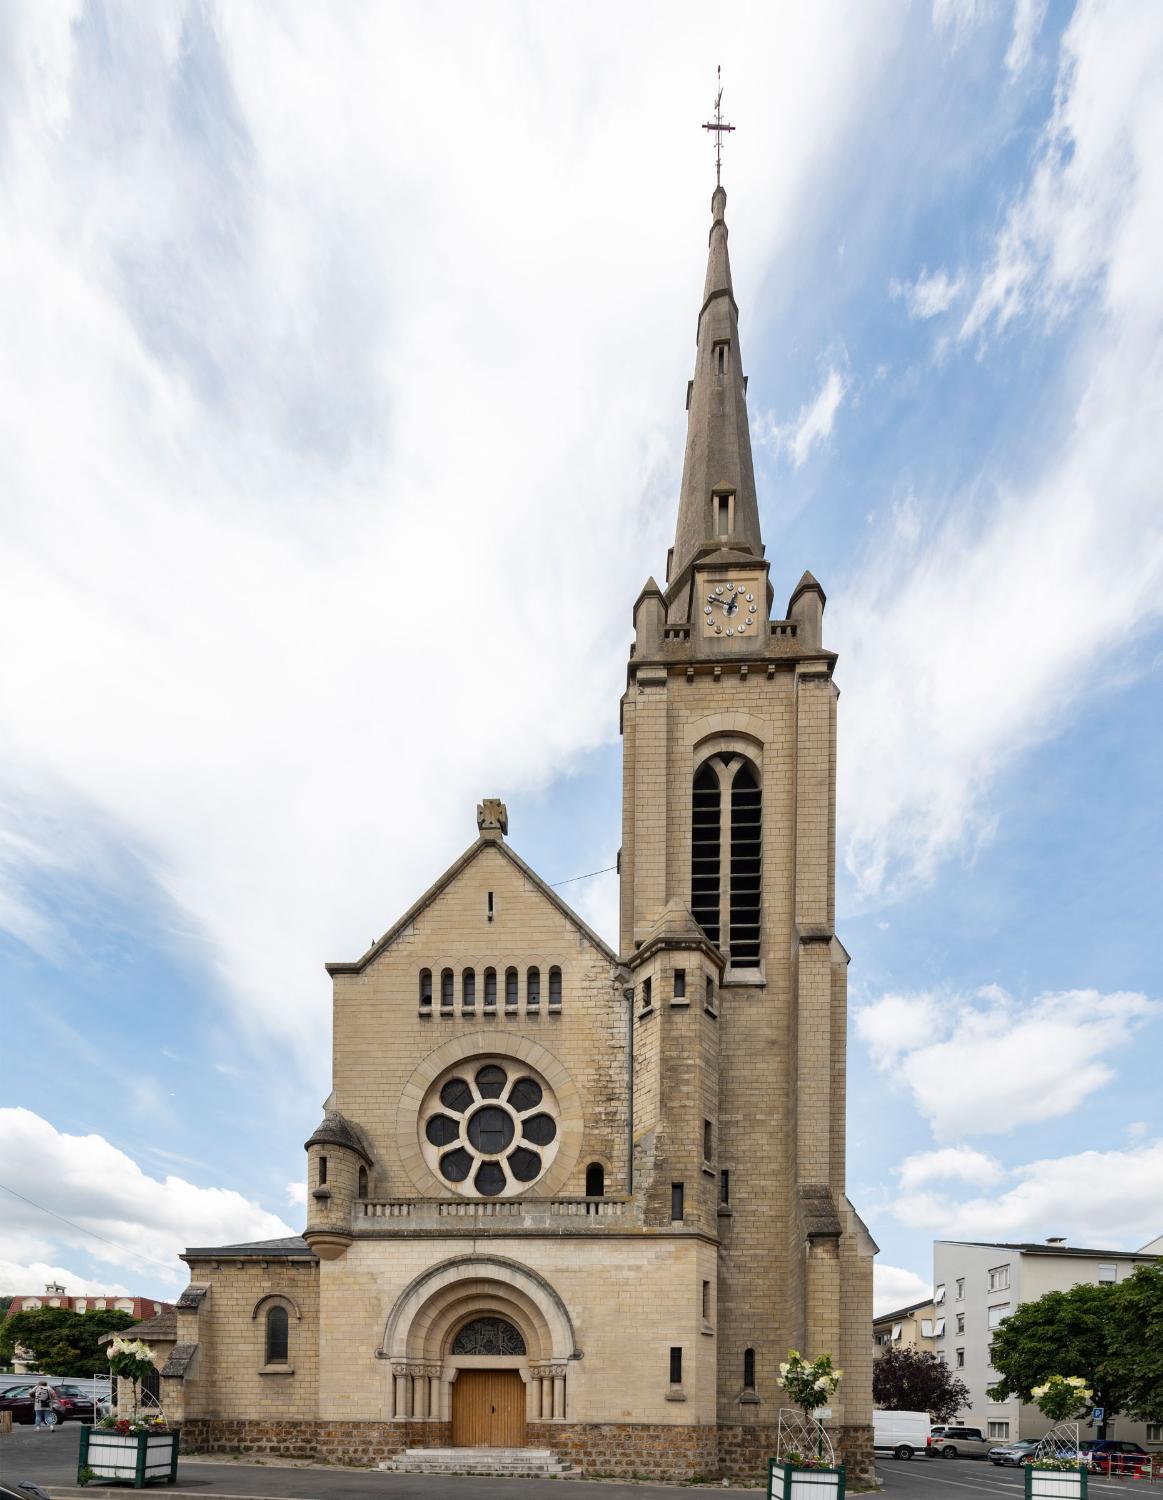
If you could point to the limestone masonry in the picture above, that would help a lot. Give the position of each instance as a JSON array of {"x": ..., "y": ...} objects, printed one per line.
[{"x": 570, "y": 1198}]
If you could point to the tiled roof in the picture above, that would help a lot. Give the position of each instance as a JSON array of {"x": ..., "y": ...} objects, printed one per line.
[
  {"x": 1039, "y": 1247},
  {"x": 902, "y": 1312}
]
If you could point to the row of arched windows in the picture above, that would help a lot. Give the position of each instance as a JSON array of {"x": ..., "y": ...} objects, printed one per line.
[{"x": 468, "y": 989}]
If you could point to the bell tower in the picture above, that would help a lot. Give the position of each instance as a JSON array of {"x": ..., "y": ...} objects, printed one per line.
[{"x": 728, "y": 921}]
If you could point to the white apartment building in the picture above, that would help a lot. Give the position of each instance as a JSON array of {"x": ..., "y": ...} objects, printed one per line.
[{"x": 976, "y": 1286}]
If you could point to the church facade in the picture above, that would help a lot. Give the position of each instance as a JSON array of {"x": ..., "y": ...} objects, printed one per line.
[{"x": 568, "y": 1197}]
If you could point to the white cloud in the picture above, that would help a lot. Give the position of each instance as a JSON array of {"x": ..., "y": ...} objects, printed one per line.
[
  {"x": 336, "y": 451},
  {"x": 812, "y": 426},
  {"x": 952, "y": 1164},
  {"x": 934, "y": 711},
  {"x": 893, "y": 1287},
  {"x": 1096, "y": 1198},
  {"x": 297, "y": 1194},
  {"x": 985, "y": 1065},
  {"x": 958, "y": 19},
  {"x": 141, "y": 1223},
  {"x": 17, "y": 1278},
  {"x": 1028, "y": 18},
  {"x": 929, "y": 295}
]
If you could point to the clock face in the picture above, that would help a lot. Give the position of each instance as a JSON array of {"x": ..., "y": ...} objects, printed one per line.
[{"x": 731, "y": 609}]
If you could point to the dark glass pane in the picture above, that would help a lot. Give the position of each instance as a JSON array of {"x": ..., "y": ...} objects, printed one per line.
[
  {"x": 446, "y": 987},
  {"x": 277, "y": 1336},
  {"x": 441, "y": 1131},
  {"x": 490, "y": 1180},
  {"x": 526, "y": 1093},
  {"x": 490, "y": 987},
  {"x": 533, "y": 987},
  {"x": 490, "y": 1130},
  {"x": 468, "y": 988},
  {"x": 746, "y": 862},
  {"x": 362, "y": 1182},
  {"x": 456, "y": 1094},
  {"x": 491, "y": 1082},
  {"x": 488, "y": 1336},
  {"x": 425, "y": 986},
  {"x": 749, "y": 1367},
  {"x": 705, "y": 815},
  {"x": 510, "y": 986},
  {"x": 540, "y": 1129},
  {"x": 676, "y": 1367},
  {"x": 524, "y": 1164},
  {"x": 676, "y": 1197},
  {"x": 595, "y": 1180},
  {"x": 555, "y": 986},
  {"x": 455, "y": 1165}
]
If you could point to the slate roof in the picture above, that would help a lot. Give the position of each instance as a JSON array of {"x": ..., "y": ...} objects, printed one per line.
[
  {"x": 290, "y": 1246},
  {"x": 902, "y": 1312},
  {"x": 1039, "y": 1247},
  {"x": 179, "y": 1361},
  {"x": 161, "y": 1328},
  {"x": 334, "y": 1130}
]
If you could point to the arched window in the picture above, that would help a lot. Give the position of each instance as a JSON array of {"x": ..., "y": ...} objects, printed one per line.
[
  {"x": 490, "y": 989},
  {"x": 726, "y": 790},
  {"x": 468, "y": 989},
  {"x": 426, "y": 987},
  {"x": 362, "y": 1182},
  {"x": 595, "y": 1180},
  {"x": 749, "y": 1369},
  {"x": 511, "y": 988},
  {"x": 533, "y": 989},
  {"x": 277, "y": 1336},
  {"x": 555, "y": 987},
  {"x": 446, "y": 983},
  {"x": 489, "y": 1336}
]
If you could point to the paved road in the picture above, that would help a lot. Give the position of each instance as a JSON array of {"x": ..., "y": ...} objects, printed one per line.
[{"x": 963, "y": 1478}]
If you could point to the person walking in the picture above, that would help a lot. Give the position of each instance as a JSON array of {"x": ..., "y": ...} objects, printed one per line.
[{"x": 44, "y": 1416}]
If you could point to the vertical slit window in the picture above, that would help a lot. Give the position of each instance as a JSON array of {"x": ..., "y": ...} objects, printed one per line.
[
  {"x": 746, "y": 862},
  {"x": 426, "y": 987},
  {"x": 676, "y": 1366},
  {"x": 676, "y": 1204},
  {"x": 706, "y": 1301},
  {"x": 595, "y": 1180},
  {"x": 511, "y": 988},
  {"x": 490, "y": 906},
  {"x": 749, "y": 1369},
  {"x": 322, "y": 1171},
  {"x": 708, "y": 1141},
  {"x": 721, "y": 356},
  {"x": 679, "y": 984},
  {"x": 710, "y": 998},
  {"x": 533, "y": 989},
  {"x": 362, "y": 1188},
  {"x": 555, "y": 986},
  {"x": 724, "y": 1186},
  {"x": 277, "y": 1336},
  {"x": 468, "y": 989},
  {"x": 705, "y": 831},
  {"x": 647, "y": 994},
  {"x": 446, "y": 985},
  {"x": 490, "y": 989}
]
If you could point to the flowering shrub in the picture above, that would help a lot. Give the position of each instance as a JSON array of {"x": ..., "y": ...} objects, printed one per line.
[
  {"x": 130, "y": 1359},
  {"x": 809, "y": 1386},
  {"x": 804, "y": 1460},
  {"x": 1062, "y": 1396},
  {"x": 130, "y": 1426},
  {"x": 1053, "y": 1463}
]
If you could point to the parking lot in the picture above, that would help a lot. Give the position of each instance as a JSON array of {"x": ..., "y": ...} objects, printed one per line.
[{"x": 959, "y": 1479}]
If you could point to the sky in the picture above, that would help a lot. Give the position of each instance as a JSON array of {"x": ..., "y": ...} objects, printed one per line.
[{"x": 342, "y": 372}]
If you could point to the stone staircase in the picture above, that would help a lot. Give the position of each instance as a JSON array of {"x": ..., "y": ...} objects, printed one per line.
[{"x": 515, "y": 1462}]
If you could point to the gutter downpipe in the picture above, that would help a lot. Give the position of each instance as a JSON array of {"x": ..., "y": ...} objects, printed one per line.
[{"x": 629, "y": 994}]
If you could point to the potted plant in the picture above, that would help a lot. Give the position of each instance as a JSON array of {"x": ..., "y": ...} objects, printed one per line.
[
  {"x": 1057, "y": 1471},
  {"x": 133, "y": 1450},
  {"x": 804, "y": 1467}
]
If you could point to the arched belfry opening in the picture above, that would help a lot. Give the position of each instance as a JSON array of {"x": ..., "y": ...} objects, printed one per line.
[{"x": 727, "y": 855}]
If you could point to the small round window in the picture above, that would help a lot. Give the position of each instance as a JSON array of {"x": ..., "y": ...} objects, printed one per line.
[{"x": 489, "y": 1128}]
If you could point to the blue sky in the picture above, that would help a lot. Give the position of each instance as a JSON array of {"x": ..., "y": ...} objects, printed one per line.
[{"x": 282, "y": 365}]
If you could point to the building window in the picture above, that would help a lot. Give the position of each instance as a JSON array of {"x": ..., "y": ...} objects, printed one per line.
[
  {"x": 999, "y": 1429},
  {"x": 722, "y": 512},
  {"x": 896, "y": 1333},
  {"x": 939, "y": 1294},
  {"x": 489, "y": 907},
  {"x": 939, "y": 1328},
  {"x": 647, "y": 994},
  {"x": 721, "y": 358},
  {"x": 926, "y": 1328},
  {"x": 595, "y": 1180},
  {"x": 511, "y": 989},
  {"x": 680, "y": 984},
  {"x": 706, "y": 1301},
  {"x": 446, "y": 986},
  {"x": 732, "y": 907},
  {"x": 961, "y": 1359},
  {"x": 961, "y": 1288},
  {"x": 322, "y": 1171},
  {"x": 960, "y": 1322},
  {"x": 705, "y": 817},
  {"x": 1107, "y": 1273},
  {"x": 676, "y": 1366},
  {"x": 555, "y": 988},
  {"x": 708, "y": 1141},
  {"x": 490, "y": 989},
  {"x": 492, "y": 1128},
  {"x": 999, "y": 1279},
  {"x": 533, "y": 989},
  {"x": 1155, "y": 1432},
  {"x": 749, "y": 1369},
  {"x": 362, "y": 1189},
  {"x": 277, "y": 1327},
  {"x": 468, "y": 989},
  {"x": 494, "y": 1336},
  {"x": 997, "y": 1314},
  {"x": 426, "y": 987},
  {"x": 724, "y": 1186},
  {"x": 676, "y": 1195}
]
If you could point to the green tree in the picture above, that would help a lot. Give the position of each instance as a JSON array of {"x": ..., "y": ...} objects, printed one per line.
[
  {"x": 915, "y": 1380},
  {"x": 1135, "y": 1342},
  {"x": 62, "y": 1342}
]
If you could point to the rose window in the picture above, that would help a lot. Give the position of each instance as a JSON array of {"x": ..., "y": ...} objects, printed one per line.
[{"x": 489, "y": 1127}]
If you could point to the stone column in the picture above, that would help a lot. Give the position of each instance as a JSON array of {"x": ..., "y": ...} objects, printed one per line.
[
  {"x": 420, "y": 1394},
  {"x": 532, "y": 1396},
  {"x": 559, "y": 1395},
  {"x": 546, "y": 1398},
  {"x": 400, "y": 1404}
]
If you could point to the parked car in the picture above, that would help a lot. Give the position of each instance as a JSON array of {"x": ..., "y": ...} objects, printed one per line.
[
  {"x": 960, "y": 1442},
  {"x": 21, "y": 1489},
  {"x": 901, "y": 1433},
  {"x": 68, "y": 1403},
  {"x": 1113, "y": 1456},
  {"x": 1014, "y": 1454}
]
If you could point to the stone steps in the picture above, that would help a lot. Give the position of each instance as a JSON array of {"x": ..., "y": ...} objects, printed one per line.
[{"x": 512, "y": 1462}]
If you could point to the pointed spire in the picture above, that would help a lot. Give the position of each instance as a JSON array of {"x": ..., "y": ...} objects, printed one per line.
[{"x": 717, "y": 504}]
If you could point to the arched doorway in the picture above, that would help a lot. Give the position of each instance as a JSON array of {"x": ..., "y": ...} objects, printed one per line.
[{"x": 488, "y": 1400}]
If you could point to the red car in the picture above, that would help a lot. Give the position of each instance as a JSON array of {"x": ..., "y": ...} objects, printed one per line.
[
  {"x": 1110, "y": 1456},
  {"x": 68, "y": 1403}
]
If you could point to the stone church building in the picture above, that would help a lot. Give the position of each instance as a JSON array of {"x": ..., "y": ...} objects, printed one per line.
[{"x": 569, "y": 1198}]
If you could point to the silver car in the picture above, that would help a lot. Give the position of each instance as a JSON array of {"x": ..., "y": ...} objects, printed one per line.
[
  {"x": 1014, "y": 1454},
  {"x": 961, "y": 1442}
]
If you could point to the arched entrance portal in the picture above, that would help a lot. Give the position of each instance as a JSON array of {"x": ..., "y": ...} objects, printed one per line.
[{"x": 483, "y": 1344}]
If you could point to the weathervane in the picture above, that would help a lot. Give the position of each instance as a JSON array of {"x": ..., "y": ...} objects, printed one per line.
[{"x": 718, "y": 125}]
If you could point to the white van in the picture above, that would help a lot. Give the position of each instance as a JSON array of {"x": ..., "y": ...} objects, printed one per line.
[{"x": 901, "y": 1433}]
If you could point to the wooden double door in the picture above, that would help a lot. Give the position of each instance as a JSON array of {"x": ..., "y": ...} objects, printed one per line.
[{"x": 488, "y": 1409}]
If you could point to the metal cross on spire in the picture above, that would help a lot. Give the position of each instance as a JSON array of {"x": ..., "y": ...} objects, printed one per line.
[{"x": 718, "y": 125}]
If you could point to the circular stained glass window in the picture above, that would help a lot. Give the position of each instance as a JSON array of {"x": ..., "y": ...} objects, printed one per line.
[{"x": 489, "y": 1128}]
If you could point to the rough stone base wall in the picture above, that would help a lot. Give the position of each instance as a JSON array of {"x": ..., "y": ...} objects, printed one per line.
[{"x": 595, "y": 1449}]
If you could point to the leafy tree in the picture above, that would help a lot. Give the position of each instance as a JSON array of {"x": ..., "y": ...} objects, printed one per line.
[
  {"x": 1135, "y": 1343},
  {"x": 60, "y": 1341},
  {"x": 915, "y": 1380}
]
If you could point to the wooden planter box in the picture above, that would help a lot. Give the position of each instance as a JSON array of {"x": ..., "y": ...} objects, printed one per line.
[
  {"x": 136, "y": 1458},
  {"x": 785, "y": 1482},
  {"x": 1055, "y": 1484}
]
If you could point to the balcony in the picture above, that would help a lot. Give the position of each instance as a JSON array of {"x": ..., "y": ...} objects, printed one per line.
[{"x": 514, "y": 1213}]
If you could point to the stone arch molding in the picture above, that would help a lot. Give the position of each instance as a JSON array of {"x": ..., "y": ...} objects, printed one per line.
[
  {"x": 490, "y": 1043},
  {"x": 277, "y": 1299},
  {"x": 431, "y": 1310},
  {"x": 725, "y": 724}
]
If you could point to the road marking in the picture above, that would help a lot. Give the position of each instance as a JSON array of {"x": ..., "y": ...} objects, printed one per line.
[{"x": 997, "y": 1486}]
